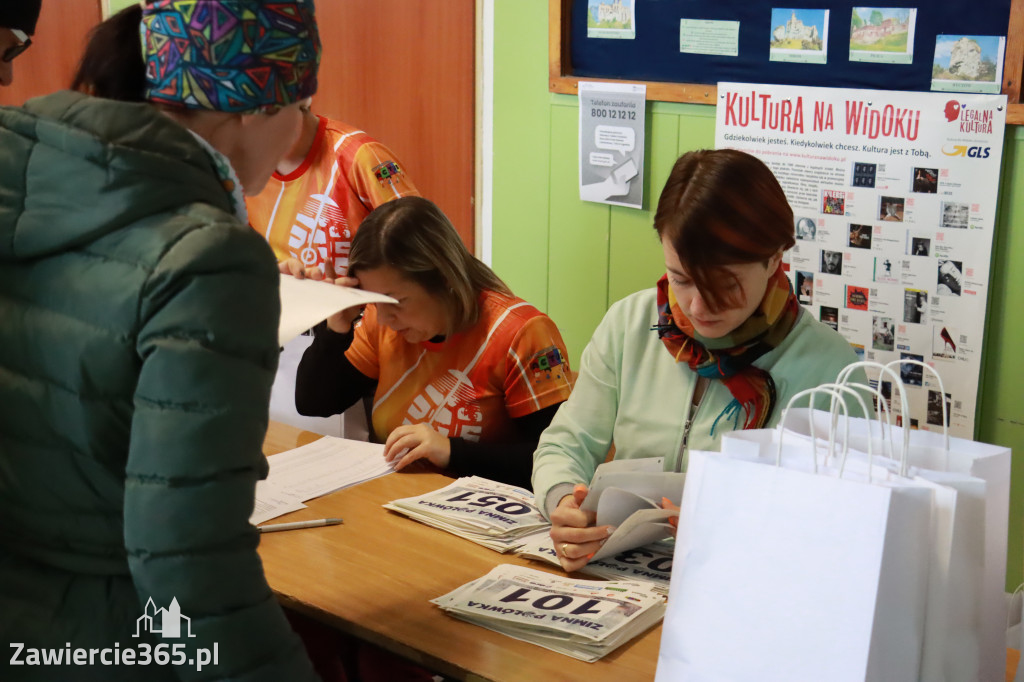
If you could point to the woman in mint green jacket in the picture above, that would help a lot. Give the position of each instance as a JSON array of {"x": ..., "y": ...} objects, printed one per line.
[
  {"x": 138, "y": 344},
  {"x": 720, "y": 343}
]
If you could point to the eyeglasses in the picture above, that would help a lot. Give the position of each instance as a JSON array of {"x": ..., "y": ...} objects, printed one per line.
[{"x": 14, "y": 50}]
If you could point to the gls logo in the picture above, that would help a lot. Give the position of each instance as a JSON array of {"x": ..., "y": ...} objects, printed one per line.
[{"x": 970, "y": 152}]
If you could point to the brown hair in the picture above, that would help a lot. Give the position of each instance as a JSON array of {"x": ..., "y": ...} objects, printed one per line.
[
  {"x": 414, "y": 237},
  {"x": 112, "y": 66},
  {"x": 722, "y": 207}
]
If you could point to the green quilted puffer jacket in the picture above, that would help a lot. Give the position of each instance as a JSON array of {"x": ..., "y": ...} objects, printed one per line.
[{"x": 138, "y": 345}]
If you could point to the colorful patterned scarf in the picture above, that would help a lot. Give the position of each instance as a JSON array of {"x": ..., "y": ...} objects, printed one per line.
[
  {"x": 236, "y": 56},
  {"x": 731, "y": 360}
]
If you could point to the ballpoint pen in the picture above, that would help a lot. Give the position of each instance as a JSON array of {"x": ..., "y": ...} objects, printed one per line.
[{"x": 299, "y": 524}]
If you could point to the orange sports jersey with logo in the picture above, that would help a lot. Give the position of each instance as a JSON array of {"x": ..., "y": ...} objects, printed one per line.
[
  {"x": 511, "y": 363},
  {"x": 313, "y": 212}
]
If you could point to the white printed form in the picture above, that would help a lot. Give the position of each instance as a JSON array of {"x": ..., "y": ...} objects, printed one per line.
[
  {"x": 316, "y": 469},
  {"x": 708, "y": 36},
  {"x": 272, "y": 502}
]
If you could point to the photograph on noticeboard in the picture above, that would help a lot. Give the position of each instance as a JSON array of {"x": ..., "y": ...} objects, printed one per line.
[
  {"x": 968, "y": 63},
  {"x": 799, "y": 35},
  {"x": 882, "y": 34},
  {"x": 611, "y": 19}
]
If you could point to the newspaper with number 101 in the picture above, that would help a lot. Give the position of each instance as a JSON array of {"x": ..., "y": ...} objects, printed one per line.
[{"x": 585, "y": 619}]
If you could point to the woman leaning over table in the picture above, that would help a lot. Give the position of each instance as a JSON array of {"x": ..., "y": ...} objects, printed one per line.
[
  {"x": 462, "y": 372},
  {"x": 720, "y": 343}
]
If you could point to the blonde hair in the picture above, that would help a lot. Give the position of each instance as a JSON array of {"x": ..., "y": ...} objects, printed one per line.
[{"x": 414, "y": 237}]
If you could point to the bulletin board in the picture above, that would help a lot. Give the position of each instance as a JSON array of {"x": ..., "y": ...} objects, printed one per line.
[{"x": 654, "y": 57}]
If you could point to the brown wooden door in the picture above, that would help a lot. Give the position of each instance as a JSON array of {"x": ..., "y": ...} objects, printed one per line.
[{"x": 403, "y": 71}]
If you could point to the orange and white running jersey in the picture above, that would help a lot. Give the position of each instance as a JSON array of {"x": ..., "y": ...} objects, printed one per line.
[
  {"x": 313, "y": 212},
  {"x": 511, "y": 363}
]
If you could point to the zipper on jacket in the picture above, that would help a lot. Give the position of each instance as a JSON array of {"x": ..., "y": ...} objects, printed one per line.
[{"x": 689, "y": 419}]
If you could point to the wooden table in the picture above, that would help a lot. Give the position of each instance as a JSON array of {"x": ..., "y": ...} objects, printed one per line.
[{"x": 374, "y": 575}]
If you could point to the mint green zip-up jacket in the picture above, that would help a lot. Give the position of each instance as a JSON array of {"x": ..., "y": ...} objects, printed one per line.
[
  {"x": 138, "y": 344},
  {"x": 631, "y": 392}
]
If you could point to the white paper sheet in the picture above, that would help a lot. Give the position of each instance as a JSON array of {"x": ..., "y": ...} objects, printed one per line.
[
  {"x": 306, "y": 302},
  {"x": 326, "y": 465},
  {"x": 638, "y": 519},
  {"x": 272, "y": 502}
]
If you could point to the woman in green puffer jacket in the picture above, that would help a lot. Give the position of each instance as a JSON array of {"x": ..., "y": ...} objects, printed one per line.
[{"x": 138, "y": 319}]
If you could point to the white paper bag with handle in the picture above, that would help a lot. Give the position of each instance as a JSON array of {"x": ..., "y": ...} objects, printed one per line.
[
  {"x": 953, "y": 617},
  {"x": 783, "y": 571},
  {"x": 959, "y": 463},
  {"x": 952, "y": 644}
]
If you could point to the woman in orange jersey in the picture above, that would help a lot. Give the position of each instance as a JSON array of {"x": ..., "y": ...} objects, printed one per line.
[
  {"x": 462, "y": 372},
  {"x": 333, "y": 176}
]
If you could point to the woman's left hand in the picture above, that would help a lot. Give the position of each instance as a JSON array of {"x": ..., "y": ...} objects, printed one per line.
[
  {"x": 417, "y": 441},
  {"x": 673, "y": 520}
]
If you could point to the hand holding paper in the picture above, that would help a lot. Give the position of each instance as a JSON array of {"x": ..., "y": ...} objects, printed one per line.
[
  {"x": 305, "y": 302},
  {"x": 575, "y": 538},
  {"x": 623, "y": 494},
  {"x": 341, "y": 322},
  {"x": 295, "y": 268}
]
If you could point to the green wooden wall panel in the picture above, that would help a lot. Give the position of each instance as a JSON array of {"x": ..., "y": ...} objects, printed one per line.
[
  {"x": 1001, "y": 393},
  {"x": 636, "y": 261},
  {"x": 521, "y": 180},
  {"x": 578, "y": 243},
  {"x": 115, "y": 6},
  {"x": 696, "y": 128}
]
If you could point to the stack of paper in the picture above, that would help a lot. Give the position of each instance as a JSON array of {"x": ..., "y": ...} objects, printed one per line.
[
  {"x": 651, "y": 563},
  {"x": 585, "y": 619},
  {"x": 313, "y": 470},
  {"x": 626, "y": 494},
  {"x": 489, "y": 513}
]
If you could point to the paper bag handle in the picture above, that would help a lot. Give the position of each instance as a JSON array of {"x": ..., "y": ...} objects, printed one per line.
[
  {"x": 905, "y": 410},
  {"x": 884, "y": 419},
  {"x": 835, "y": 391},
  {"x": 1012, "y": 608},
  {"x": 942, "y": 396},
  {"x": 843, "y": 378},
  {"x": 836, "y": 397},
  {"x": 897, "y": 383}
]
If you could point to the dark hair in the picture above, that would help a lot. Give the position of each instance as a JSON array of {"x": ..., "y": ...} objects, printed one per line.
[
  {"x": 414, "y": 237},
  {"x": 112, "y": 64},
  {"x": 722, "y": 207},
  {"x": 20, "y": 14}
]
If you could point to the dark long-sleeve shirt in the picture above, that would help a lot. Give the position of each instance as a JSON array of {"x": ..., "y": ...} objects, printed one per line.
[{"x": 327, "y": 384}]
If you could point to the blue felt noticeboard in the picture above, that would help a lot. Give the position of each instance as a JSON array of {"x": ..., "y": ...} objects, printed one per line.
[{"x": 654, "y": 54}]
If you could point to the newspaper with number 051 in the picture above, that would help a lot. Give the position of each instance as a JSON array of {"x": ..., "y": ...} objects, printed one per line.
[
  {"x": 585, "y": 619},
  {"x": 492, "y": 514}
]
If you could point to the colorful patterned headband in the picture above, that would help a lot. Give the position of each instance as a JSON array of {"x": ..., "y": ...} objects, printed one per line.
[{"x": 236, "y": 56}]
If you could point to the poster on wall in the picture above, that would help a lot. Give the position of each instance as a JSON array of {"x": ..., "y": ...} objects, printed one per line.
[
  {"x": 894, "y": 199},
  {"x": 612, "y": 143}
]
